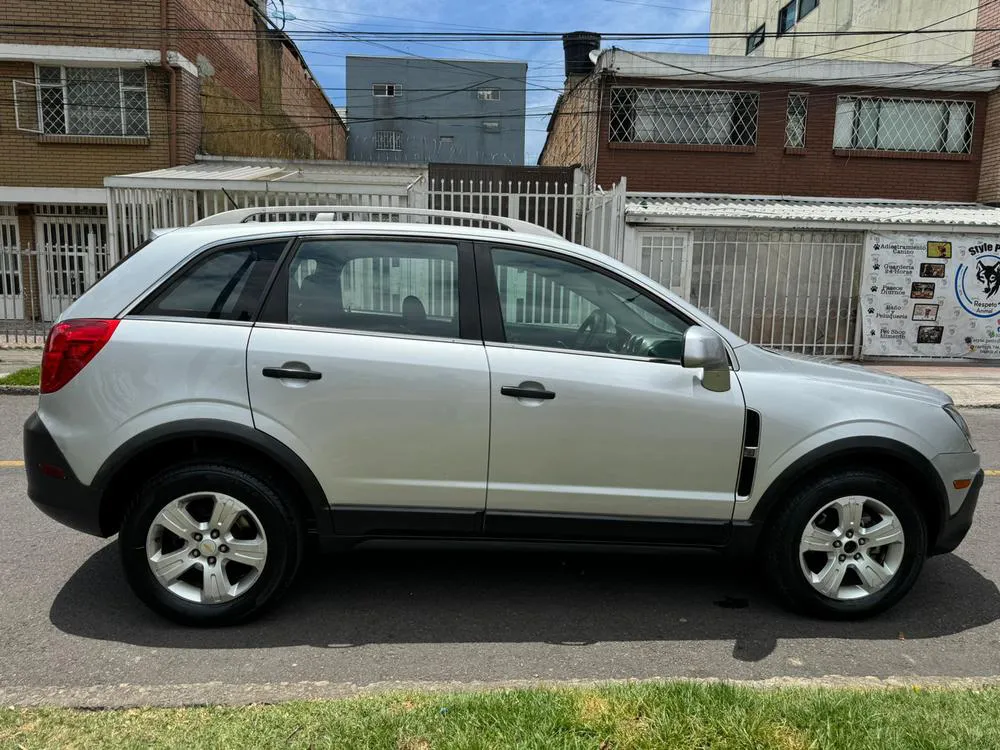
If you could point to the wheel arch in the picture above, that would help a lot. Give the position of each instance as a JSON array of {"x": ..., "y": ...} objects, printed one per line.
[
  {"x": 166, "y": 444},
  {"x": 883, "y": 454}
]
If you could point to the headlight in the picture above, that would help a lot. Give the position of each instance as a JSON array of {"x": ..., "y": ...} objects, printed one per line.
[{"x": 960, "y": 421}]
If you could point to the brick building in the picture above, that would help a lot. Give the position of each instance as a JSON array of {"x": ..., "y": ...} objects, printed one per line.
[
  {"x": 827, "y": 128},
  {"x": 828, "y": 206},
  {"x": 94, "y": 89}
]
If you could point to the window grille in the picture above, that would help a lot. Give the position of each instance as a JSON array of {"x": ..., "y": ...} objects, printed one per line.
[
  {"x": 887, "y": 124},
  {"x": 684, "y": 116}
]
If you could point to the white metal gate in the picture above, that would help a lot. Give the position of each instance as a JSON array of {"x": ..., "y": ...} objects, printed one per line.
[
  {"x": 792, "y": 290},
  {"x": 11, "y": 283},
  {"x": 664, "y": 257},
  {"x": 72, "y": 246}
]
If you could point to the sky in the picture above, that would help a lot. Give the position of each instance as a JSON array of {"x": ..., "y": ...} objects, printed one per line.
[{"x": 545, "y": 59}]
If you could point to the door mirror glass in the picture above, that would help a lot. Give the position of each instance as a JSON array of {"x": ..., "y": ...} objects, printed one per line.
[{"x": 704, "y": 349}]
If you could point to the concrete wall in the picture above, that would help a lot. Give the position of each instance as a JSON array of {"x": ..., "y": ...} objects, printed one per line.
[
  {"x": 572, "y": 136},
  {"x": 743, "y": 16},
  {"x": 437, "y": 110}
]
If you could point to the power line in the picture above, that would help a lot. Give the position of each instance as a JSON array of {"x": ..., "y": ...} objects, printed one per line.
[{"x": 414, "y": 36}]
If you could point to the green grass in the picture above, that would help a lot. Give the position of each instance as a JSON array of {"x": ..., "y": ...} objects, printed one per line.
[
  {"x": 27, "y": 376},
  {"x": 636, "y": 715}
]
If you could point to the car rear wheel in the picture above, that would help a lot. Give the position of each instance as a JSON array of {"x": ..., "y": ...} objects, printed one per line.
[
  {"x": 210, "y": 543},
  {"x": 846, "y": 546}
]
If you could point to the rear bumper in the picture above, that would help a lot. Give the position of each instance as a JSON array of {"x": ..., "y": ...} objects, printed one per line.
[
  {"x": 53, "y": 487},
  {"x": 955, "y": 528}
]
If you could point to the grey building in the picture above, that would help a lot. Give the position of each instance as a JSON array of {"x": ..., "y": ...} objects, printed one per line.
[{"x": 410, "y": 109}]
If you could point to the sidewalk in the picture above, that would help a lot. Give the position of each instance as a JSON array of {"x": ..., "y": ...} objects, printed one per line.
[
  {"x": 16, "y": 359},
  {"x": 968, "y": 385}
]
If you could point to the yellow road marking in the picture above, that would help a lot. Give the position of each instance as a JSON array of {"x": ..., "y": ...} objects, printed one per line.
[{"x": 993, "y": 472}]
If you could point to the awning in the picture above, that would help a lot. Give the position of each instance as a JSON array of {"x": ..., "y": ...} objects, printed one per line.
[{"x": 692, "y": 209}]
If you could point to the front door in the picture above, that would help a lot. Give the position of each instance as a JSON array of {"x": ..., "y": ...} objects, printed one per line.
[
  {"x": 597, "y": 430},
  {"x": 367, "y": 364}
]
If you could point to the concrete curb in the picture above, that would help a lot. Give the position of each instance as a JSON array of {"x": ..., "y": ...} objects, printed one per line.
[
  {"x": 218, "y": 693},
  {"x": 19, "y": 390}
]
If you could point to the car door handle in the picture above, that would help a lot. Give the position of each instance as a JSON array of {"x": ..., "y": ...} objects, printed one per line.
[
  {"x": 515, "y": 392},
  {"x": 290, "y": 373}
]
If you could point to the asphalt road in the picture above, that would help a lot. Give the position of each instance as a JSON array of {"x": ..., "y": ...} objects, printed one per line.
[{"x": 67, "y": 619}]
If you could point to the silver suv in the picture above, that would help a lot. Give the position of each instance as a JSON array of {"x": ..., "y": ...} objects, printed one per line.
[{"x": 238, "y": 390}]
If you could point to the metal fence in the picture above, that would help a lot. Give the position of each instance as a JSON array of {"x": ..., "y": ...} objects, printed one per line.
[
  {"x": 796, "y": 291},
  {"x": 588, "y": 217}
]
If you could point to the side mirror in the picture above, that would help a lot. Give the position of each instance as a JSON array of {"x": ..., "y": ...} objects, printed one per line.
[{"x": 704, "y": 349}]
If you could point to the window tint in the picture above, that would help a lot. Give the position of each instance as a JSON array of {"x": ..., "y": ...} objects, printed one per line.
[
  {"x": 382, "y": 286},
  {"x": 225, "y": 285},
  {"x": 554, "y": 303}
]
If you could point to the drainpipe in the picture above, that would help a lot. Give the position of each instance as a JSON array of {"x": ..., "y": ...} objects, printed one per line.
[{"x": 172, "y": 84}]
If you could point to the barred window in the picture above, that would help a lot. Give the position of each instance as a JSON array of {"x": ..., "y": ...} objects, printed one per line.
[
  {"x": 920, "y": 125},
  {"x": 755, "y": 38},
  {"x": 489, "y": 95},
  {"x": 388, "y": 140},
  {"x": 684, "y": 116},
  {"x": 92, "y": 101},
  {"x": 795, "y": 120}
]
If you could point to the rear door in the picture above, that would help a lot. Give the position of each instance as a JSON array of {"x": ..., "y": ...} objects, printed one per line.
[{"x": 368, "y": 361}]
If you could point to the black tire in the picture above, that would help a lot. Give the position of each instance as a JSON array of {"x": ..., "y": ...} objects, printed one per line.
[
  {"x": 260, "y": 492},
  {"x": 781, "y": 541}
]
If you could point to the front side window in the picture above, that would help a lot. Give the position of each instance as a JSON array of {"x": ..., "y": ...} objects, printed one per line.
[
  {"x": 382, "y": 286},
  {"x": 806, "y": 7},
  {"x": 385, "y": 89},
  {"x": 920, "y": 125},
  {"x": 489, "y": 95},
  {"x": 388, "y": 140},
  {"x": 92, "y": 101},
  {"x": 683, "y": 116},
  {"x": 554, "y": 303},
  {"x": 224, "y": 285},
  {"x": 755, "y": 38}
]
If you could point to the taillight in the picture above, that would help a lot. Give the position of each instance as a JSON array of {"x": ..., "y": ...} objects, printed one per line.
[{"x": 69, "y": 347}]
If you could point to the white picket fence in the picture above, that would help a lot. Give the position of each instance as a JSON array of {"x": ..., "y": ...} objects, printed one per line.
[{"x": 594, "y": 218}]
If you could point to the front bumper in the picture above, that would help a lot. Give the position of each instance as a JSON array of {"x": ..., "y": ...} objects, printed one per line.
[
  {"x": 53, "y": 487},
  {"x": 953, "y": 530}
]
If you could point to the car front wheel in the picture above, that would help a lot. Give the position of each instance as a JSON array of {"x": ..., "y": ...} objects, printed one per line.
[
  {"x": 846, "y": 546},
  {"x": 210, "y": 543}
]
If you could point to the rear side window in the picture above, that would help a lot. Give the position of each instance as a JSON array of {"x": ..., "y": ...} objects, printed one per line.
[
  {"x": 224, "y": 285},
  {"x": 376, "y": 285}
]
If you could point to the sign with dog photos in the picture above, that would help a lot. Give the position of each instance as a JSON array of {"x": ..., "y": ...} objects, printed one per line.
[{"x": 931, "y": 296}]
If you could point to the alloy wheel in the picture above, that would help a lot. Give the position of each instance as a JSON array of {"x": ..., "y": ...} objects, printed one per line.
[
  {"x": 851, "y": 548},
  {"x": 206, "y": 547}
]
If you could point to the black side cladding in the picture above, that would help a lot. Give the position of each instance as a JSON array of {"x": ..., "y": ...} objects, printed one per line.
[{"x": 751, "y": 447}]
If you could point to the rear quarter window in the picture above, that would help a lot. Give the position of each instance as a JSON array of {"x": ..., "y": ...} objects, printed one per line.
[{"x": 224, "y": 284}]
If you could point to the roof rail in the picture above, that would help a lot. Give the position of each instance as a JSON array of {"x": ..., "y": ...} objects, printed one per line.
[{"x": 330, "y": 213}]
